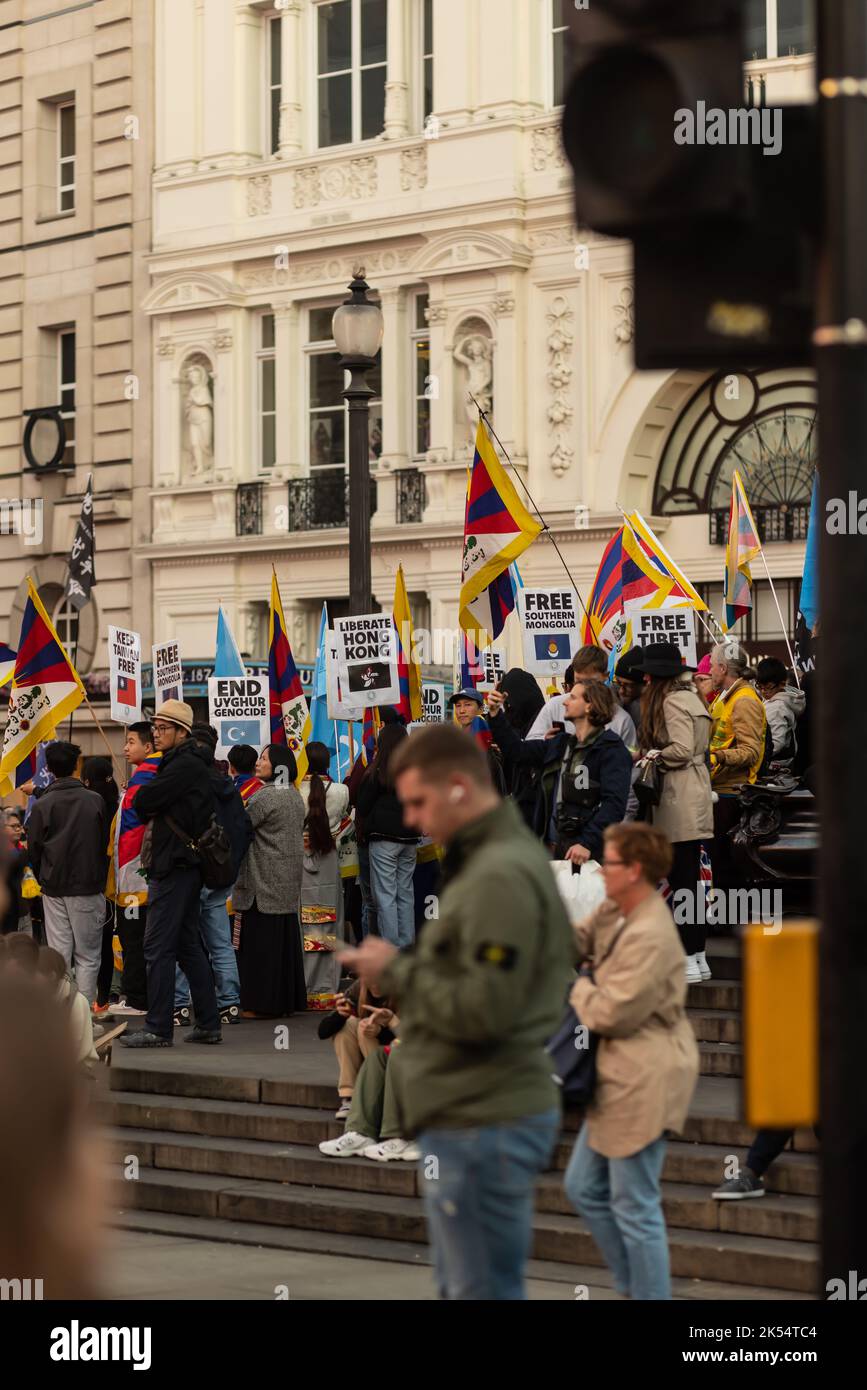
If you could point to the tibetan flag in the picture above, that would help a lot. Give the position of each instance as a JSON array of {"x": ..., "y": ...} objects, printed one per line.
[
  {"x": 126, "y": 885},
  {"x": 469, "y": 670},
  {"x": 410, "y": 704},
  {"x": 7, "y": 663},
  {"x": 650, "y": 572},
  {"x": 743, "y": 547},
  {"x": 247, "y": 784},
  {"x": 45, "y": 689},
  {"x": 497, "y": 529},
  {"x": 370, "y": 727},
  {"x": 605, "y": 604},
  {"x": 290, "y": 717}
]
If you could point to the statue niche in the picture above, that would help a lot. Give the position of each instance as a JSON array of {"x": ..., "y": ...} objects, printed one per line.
[
  {"x": 474, "y": 373},
  {"x": 197, "y": 420}
]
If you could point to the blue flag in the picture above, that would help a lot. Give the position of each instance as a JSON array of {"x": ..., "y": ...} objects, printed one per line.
[
  {"x": 322, "y": 727},
  {"x": 228, "y": 659},
  {"x": 809, "y": 604}
]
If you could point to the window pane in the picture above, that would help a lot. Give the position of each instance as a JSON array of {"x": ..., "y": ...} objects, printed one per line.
[
  {"x": 335, "y": 36},
  {"x": 268, "y": 380},
  {"x": 67, "y": 200},
  {"x": 267, "y": 330},
  {"x": 67, "y": 131},
  {"x": 421, "y": 303},
  {"x": 422, "y": 427},
  {"x": 275, "y": 52},
  {"x": 67, "y": 357},
  {"x": 67, "y": 400},
  {"x": 374, "y": 376},
  {"x": 326, "y": 439},
  {"x": 275, "y": 119},
  {"x": 326, "y": 380},
  {"x": 335, "y": 111},
  {"x": 559, "y": 67},
  {"x": 428, "y": 87},
  {"x": 320, "y": 324},
  {"x": 422, "y": 367},
  {"x": 428, "y": 26},
  {"x": 269, "y": 441},
  {"x": 374, "y": 430},
  {"x": 794, "y": 27},
  {"x": 372, "y": 102},
  {"x": 373, "y": 31},
  {"x": 756, "y": 29}
]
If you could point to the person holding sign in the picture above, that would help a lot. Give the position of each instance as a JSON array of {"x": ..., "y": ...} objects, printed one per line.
[{"x": 675, "y": 731}]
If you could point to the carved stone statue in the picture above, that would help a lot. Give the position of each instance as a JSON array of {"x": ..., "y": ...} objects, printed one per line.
[
  {"x": 198, "y": 411},
  {"x": 475, "y": 354}
]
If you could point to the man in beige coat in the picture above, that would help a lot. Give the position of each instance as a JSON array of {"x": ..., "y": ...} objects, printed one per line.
[{"x": 647, "y": 1062}]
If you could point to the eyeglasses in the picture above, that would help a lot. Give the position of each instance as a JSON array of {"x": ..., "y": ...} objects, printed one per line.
[
  {"x": 160, "y": 728},
  {"x": 613, "y": 863}
]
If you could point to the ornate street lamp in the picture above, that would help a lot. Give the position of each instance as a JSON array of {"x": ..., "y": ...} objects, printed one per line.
[{"x": 357, "y": 329}]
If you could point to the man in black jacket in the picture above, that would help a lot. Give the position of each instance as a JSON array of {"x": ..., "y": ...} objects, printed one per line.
[
  {"x": 67, "y": 834},
  {"x": 180, "y": 792},
  {"x": 215, "y": 925}
]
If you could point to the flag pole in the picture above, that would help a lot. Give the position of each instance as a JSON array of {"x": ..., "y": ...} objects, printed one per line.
[
  {"x": 546, "y": 530},
  {"x": 103, "y": 735},
  {"x": 780, "y": 616}
]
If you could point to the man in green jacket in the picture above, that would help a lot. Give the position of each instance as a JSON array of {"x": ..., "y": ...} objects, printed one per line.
[{"x": 478, "y": 997}]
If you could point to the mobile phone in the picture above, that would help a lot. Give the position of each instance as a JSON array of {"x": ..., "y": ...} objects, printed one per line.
[{"x": 558, "y": 726}]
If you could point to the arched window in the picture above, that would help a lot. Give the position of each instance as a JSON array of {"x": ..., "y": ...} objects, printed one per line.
[{"x": 65, "y": 620}]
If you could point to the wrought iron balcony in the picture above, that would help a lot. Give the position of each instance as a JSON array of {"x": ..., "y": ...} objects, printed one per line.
[
  {"x": 411, "y": 496},
  {"x": 321, "y": 502},
  {"x": 788, "y": 523},
  {"x": 248, "y": 509}
]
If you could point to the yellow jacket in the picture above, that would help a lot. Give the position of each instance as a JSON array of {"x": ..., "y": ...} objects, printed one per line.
[{"x": 737, "y": 744}]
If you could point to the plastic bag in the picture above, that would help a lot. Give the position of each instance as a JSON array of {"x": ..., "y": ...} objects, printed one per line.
[{"x": 583, "y": 892}]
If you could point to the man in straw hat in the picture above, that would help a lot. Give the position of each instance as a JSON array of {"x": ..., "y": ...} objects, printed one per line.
[{"x": 179, "y": 793}]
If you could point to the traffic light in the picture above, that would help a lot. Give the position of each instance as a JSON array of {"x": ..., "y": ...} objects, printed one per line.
[{"x": 721, "y": 200}]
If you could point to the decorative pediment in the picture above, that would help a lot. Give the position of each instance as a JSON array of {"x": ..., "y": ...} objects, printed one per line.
[
  {"x": 191, "y": 290},
  {"x": 468, "y": 250}
]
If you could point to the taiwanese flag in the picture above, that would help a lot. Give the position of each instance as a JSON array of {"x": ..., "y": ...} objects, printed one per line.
[
  {"x": 290, "y": 716},
  {"x": 45, "y": 689},
  {"x": 127, "y": 693}
]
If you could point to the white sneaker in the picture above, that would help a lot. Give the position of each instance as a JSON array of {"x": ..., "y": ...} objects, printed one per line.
[
  {"x": 703, "y": 966},
  {"x": 412, "y": 1153},
  {"x": 693, "y": 972},
  {"x": 388, "y": 1149},
  {"x": 125, "y": 1010},
  {"x": 346, "y": 1146}
]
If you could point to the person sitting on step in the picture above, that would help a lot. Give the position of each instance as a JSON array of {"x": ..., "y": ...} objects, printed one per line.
[
  {"x": 355, "y": 1034},
  {"x": 373, "y": 1123}
]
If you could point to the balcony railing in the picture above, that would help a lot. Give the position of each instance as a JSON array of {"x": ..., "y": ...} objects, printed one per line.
[
  {"x": 411, "y": 496},
  {"x": 321, "y": 502},
  {"x": 775, "y": 523},
  {"x": 248, "y": 509}
]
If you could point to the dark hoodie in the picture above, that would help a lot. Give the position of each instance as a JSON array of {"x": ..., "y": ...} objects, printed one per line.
[
  {"x": 181, "y": 789},
  {"x": 525, "y": 699}
]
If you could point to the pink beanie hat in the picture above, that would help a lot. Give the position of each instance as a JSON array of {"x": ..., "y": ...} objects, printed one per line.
[{"x": 703, "y": 667}]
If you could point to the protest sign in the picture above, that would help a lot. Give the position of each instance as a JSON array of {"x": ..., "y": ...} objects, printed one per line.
[
  {"x": 549, "y": 624},
  {"x": 433, "y": 699},
  {"x": 494, "y": 668},
  {"x": 367, "y": 659},
  {"x": 124, "y": 674},
  {"x": 239, "y": 711},
  {"x": 675, "y": 625},
  {"x": 168, "y": 673},
  {"x": 338, "y": 708}
]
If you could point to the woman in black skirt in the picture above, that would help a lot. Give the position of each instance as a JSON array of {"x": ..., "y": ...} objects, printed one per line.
[{"x": 268, "y": 890}]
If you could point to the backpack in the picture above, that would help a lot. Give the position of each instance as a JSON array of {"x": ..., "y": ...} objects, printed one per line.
[
  {"x": 768, "y": 755},
  {"x": 213, "y": 851}
]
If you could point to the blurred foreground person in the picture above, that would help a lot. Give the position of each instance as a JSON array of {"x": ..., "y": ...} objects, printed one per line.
[
  {"x": 478, "y": 997},
  {"x": 49, "y": 1178},
  {"x": 647, "y": 1063}
]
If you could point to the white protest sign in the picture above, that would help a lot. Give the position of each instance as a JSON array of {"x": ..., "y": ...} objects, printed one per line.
[
  {"x": 239, "y": 711},
  {"x": 168, "y": 673},
  {"x": 124, "y": 668},
  {"x": 338, "y": 709},
  {"x": 494, "y": 667},
  {"x": 675, "y": 625},
  {"x": 416, "y": 724},
  {"x": 433, "y": 698},
  {"x": 367, "y": 659},
  {"x": 549, "y": 625}
]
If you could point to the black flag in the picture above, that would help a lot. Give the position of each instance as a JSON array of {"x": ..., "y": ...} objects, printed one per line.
[{"x": 81, "y": 577}]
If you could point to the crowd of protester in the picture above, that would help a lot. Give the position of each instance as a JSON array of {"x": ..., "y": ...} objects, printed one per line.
[{"x": 440, "y": 1039}]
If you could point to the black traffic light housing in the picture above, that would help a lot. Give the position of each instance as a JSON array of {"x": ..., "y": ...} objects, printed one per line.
[{"x": 723, "y": 233}]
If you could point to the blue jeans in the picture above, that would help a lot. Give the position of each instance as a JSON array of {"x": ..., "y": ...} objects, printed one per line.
[
  {"x": 620, "y": 1200},
  {"x": 479, "y": 1203},
  {"x": 392, "y": 866},
  {"x": 217, "y": 933},
  {"x": 368, "y": 911}
]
